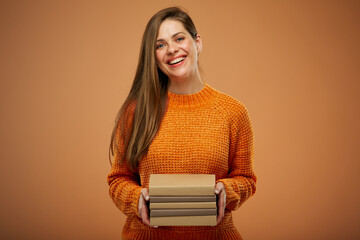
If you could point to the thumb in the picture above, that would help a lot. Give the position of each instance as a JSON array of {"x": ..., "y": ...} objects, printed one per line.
[
  {"x": 145, "y": 193},
  {"x": 219, "y": 187}
]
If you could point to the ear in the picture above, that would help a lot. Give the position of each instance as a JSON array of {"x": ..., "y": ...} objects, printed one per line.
[{"x": 198, "y": 42}]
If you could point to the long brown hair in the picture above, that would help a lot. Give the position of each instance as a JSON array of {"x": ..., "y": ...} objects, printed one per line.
[{"x": 148, "y": 94}]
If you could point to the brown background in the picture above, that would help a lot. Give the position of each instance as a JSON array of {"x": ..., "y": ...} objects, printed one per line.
[{"x": 66, "y": 67}]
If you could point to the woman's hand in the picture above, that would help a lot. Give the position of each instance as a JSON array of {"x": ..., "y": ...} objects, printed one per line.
[
  {"x": 221, "y": 201},
  {"x": 143, "y": 208}
]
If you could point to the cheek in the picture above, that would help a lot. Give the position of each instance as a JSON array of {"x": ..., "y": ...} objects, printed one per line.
[
  {"x": 159, "y": 57},
  {"x": 190, "y": 48}
]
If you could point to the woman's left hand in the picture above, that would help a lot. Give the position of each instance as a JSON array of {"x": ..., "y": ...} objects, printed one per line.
[{"x": 221, "y": 201}]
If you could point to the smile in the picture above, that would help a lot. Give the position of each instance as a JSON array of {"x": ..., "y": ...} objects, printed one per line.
[{"x": 176, "y": 60}]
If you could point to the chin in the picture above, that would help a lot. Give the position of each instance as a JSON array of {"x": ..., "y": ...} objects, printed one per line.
[{"x": 179, "y": 75}]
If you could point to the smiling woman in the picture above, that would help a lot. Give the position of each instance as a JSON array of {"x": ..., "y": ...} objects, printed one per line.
[
  {"x": 177, "y": 55},
  {"x": 174, "y": 123}
]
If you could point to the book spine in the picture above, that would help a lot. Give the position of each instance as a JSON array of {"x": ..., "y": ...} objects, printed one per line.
[
  {"x": 168, "y": 199},
  {"x": 182, "y": 205},
  {"x": 182, "y": 212},
  {"x": 184, "y": 221},
  {"x": 181, "y": 191}
]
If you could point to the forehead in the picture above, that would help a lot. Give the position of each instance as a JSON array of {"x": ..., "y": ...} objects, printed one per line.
[{"x": 169, "y": 27}]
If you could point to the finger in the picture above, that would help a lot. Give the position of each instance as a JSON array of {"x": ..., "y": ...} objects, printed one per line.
[
  {"x": 144, "y": 210},
  {"x": 145, "y": 216},
  {"x": 221, "y": 206},
  {"x": 146, "y": 219},
  {"x": 219, "y": 187},
  {"x": 220, "y": 215},
  {"x": 145, "y": 193},
  {"x": 141, "y": 203},
  {"x": 219, "y": 219}
]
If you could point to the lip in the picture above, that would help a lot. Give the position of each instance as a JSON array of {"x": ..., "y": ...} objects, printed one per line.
[{"x": 176, "y": 64}]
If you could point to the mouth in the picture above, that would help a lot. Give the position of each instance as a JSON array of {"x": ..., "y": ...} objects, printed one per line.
[{"x": 177, "y": 60}]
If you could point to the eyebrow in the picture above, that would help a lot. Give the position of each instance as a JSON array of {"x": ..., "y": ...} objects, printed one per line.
[{"x": 174, "y": 35}]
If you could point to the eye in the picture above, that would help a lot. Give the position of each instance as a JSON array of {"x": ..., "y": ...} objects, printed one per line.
[
  {"x": 179, "y": 39},
  {"x": 159, "y": 46}
]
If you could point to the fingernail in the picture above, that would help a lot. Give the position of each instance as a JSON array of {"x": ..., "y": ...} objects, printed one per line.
[
  {"x": 147, "y": 198},
  {"x": 216, "y": 191}
]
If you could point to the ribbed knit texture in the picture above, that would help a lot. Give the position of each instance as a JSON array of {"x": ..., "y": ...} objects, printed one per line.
[{"x": 203, "y": 133}]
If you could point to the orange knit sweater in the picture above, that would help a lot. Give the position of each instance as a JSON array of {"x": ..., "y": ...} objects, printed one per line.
[{"x": 203, "y": 133}]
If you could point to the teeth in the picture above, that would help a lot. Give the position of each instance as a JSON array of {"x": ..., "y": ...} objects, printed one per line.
[{"x": 177, "y": 60}]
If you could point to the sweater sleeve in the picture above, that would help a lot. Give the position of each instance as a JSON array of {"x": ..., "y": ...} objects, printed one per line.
[
  {"x": 124, "y": 184},
  {"x": 240, "y": 183}
]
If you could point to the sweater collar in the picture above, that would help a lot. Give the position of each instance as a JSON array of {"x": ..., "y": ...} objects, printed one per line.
[{"x": 203, "y": 97}]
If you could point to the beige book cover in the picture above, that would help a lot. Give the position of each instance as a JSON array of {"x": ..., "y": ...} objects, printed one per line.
[
  {"x": 182, "y": 205},
  {"x": 183, "y": 221},
  {"x": 181, "y": 184}
]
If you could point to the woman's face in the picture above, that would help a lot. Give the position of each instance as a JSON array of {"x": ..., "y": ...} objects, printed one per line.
[{"x": 176, "y": 51}]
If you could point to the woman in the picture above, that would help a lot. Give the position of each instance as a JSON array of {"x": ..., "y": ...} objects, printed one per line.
[{"x": 173, "y": 123}]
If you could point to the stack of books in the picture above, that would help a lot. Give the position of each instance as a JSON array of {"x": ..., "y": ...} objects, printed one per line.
[{"x": 182, "y": 200}]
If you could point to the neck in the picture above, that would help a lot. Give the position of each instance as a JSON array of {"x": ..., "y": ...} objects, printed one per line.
[{"x": 186, "y": 86}]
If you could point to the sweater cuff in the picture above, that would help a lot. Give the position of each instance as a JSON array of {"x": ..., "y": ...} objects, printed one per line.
[
  {"x": 135, "y": 200},
  {"x": 232, "y": 198}
]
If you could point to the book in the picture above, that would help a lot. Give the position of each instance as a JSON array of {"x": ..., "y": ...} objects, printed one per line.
[
  {"x": 184, "y": 221},
  {"x": 168, "y": 199},
  {"x": 181, "y": 184},
  {"x": 182, "y": 200},
  {"x": 182, "y": 205},
  {"x": 183, "y": 212}
]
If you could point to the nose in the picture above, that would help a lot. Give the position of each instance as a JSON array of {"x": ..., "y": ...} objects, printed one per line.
[{"x": 172, "y": 48}]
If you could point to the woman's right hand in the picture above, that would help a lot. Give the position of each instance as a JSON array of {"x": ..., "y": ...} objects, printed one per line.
[{"x": 143, "y": 208}]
